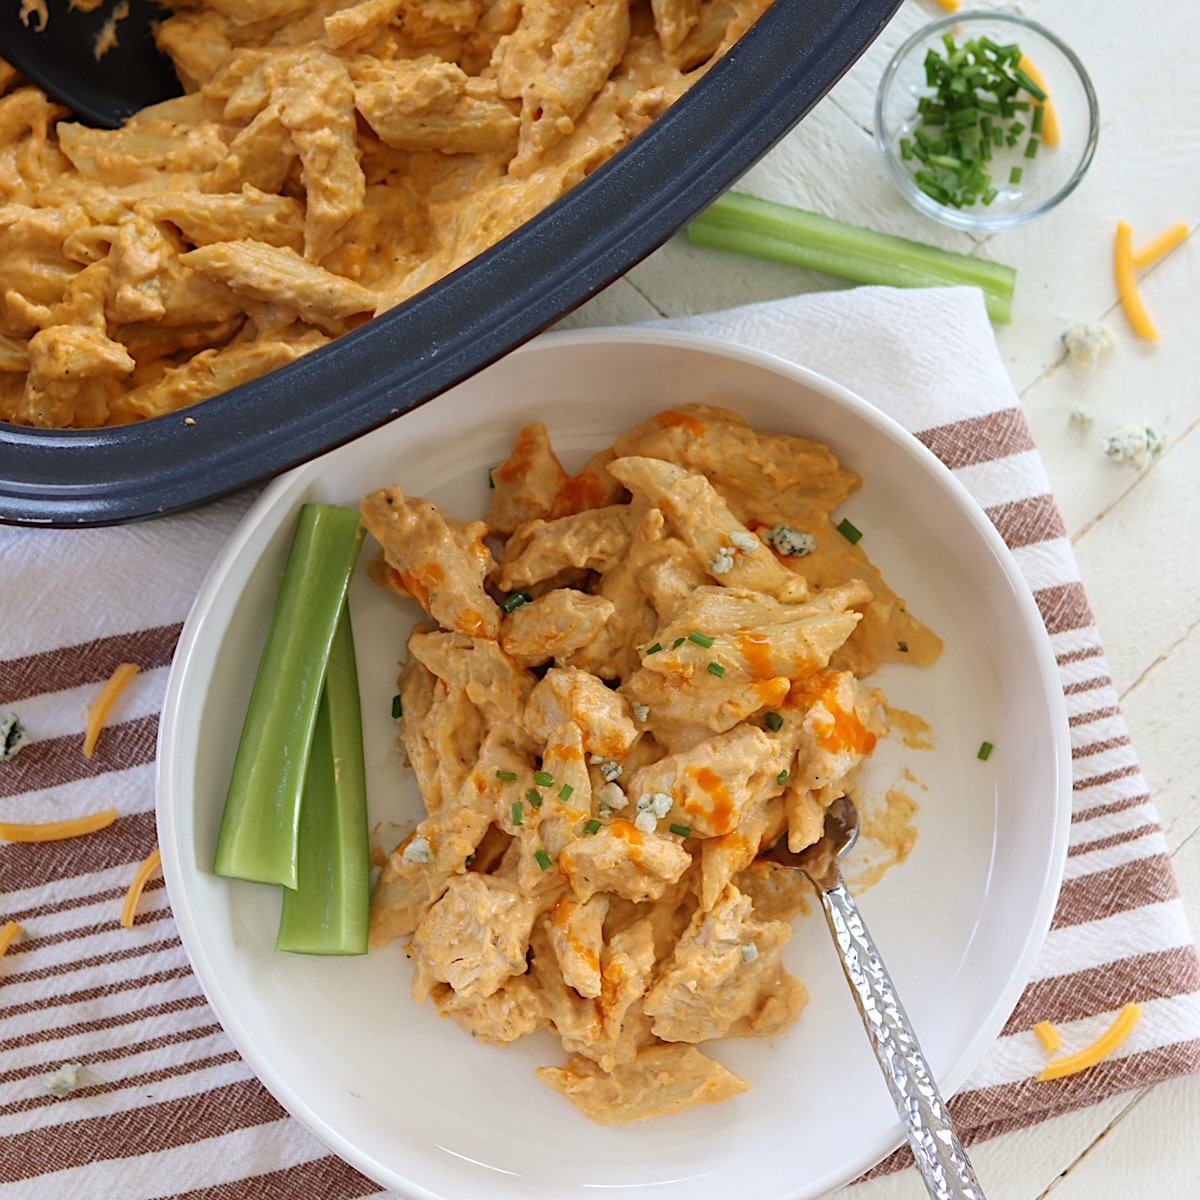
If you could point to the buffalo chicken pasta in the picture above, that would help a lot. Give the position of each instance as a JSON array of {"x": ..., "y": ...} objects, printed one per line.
[
  {"x": 329, "y": 159},
  {"x": 656, "y": 676}
]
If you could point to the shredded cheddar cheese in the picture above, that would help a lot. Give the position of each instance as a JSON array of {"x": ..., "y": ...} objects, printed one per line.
[
  {"x": 9, "y": 932},
  {"x": 1127, "y": 285},
  {"x": 146, "y": 868},
  {"x": 949, "y": 5},
  {"x": 55, "y": 831},
  {"x": 1102, "y": 1047},
  {"x": 1156, "y": 247},
  {"x": 1048, "y": 1035},
  {"x": 1051, "y": 134},
  {"x": 116, "y": 684}
]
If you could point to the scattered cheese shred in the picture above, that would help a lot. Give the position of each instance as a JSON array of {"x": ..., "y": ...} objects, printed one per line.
[
  {"x": 1051, "y": 135},
  {"x": 1156, "y": 247},
  {"x": 1101, "y": 1048},
  {"x": 9, "y": 932},
  {"x": 1127, "y": 285},
  {"x": 1048, "y": 1035},
  {"x": 103, "y": 702},
  {"x": 146, "y": 868},
  {"x": 55, "y": 831},
  {"x": 949, "y": 5}
]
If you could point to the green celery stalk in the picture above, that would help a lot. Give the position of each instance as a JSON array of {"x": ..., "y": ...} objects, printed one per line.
[
  {"x": 261, "y": 821},
  {"x": 747, "y": 225},
  {"x": 327, "y": 913}
]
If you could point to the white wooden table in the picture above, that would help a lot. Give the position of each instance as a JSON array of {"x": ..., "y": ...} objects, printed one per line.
[{"x": 1137, "y": 535}]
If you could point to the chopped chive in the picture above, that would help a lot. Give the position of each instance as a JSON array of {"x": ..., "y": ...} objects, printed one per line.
[
  {"x": 682, "y": 830},
  {"x": 397, "y": 707},
  {"x": 848, "y": 531},
  {"x": 565, "y": 792},
  {"x": 593, "y": 826},
  {"x": 1031, "y": 147},
  {"x": 1014, "y": 176},
  {"x": 1028, "y": 84},
  {"x": 1039, "y": 114},
  {"x": 513, "y": 602},
  {"x": 543, "y": 860},
  {"x": 906, "y": 150},
  {"x": 543, "y": 778},
  {"x": 774, "y": 721},
  {"x": 677, "y": 643},
  {"x": 518, "y": 816},
  {"x": 701, "y": 639},
  {"x": 781, "y": 778},
  {"x": 534, "y": 798},
  {"x": 985, "y": 751},
  {"x": 715, "y": 668},
  {"x": 507, "y": 776},
  {"x": 654, "y": 649}
]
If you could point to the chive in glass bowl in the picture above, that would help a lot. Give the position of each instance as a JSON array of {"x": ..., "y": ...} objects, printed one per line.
[{"x": 928, "y": 138}]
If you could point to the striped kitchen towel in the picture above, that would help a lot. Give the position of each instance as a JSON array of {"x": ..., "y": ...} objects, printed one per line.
[{"x": 164, "y": 1106}]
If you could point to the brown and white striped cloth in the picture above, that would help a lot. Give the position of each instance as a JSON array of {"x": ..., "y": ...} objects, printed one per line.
[{"x": 165, "y": 1107}]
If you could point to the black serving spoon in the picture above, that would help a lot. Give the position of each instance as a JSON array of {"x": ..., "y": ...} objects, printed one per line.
[{"x": 62, "y": 60}]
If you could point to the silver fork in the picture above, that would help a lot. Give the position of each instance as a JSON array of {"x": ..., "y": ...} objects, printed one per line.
[{"x": 941, "y": 1159}]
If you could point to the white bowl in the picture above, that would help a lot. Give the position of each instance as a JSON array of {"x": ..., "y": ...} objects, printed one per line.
[{"x": 420, "y": 1107}]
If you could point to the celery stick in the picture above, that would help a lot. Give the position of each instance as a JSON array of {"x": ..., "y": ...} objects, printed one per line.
[
  {"x": 262, "y": 810},
  {"x": 327, "y": 913},
  {"x": 784, "y": 234}
]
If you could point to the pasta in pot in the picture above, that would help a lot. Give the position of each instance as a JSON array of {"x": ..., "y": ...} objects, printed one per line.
[
  {"x": 329, "y": 159},
  {"x": 614, "y": 715}
]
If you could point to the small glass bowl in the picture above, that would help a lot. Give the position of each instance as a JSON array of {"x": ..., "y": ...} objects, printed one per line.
[{"x": 1046, "y": 179}]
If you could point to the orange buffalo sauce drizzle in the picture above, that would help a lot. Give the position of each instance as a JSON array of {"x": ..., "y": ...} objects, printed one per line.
[
  {"x": 720, "y": 811},
  {"x": 756, "y": 648},
  {"x": 579, "y": 492},
  {"x": 846, "y": 731},
  {"x": 561, "y": 917},
  {"x": 693, "y": 425},
  {"x": 631, "y": 835},
  {"x": 420, "y": 581},
  {"x": 520, "y": 461},
  {"x": 610, "y": 982},
  {"x": 565, "y": 752}
]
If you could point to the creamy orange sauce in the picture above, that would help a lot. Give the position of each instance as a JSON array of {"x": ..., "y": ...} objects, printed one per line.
[{"x": 914, "y": 731}]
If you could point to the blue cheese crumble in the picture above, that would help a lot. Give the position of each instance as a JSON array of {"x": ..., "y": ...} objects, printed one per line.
[
  {"x": 1085, "y": 343},
  {"x": 723, "y": 561},
  {"x": 418, "y": 851},
  {"x": 611, "y": 797},
  {"x": 64, "y": 1081},
  {"x": 749, "y": 951},
  {"x": 791, "y": 542},
  {"x": 746, "y": 542},
  {"x": 641, "y": 712},
  {"x": 610, "y": 771},
  {"x": 651, "y": 808},
  {"x": 1135, "y": 443},
  {"x": 1083, "y": 417},
  {"x": 12, "y": 736}
]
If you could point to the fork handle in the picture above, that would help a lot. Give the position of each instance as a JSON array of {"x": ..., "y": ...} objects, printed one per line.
[{"x": 941, "y": 1159}]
